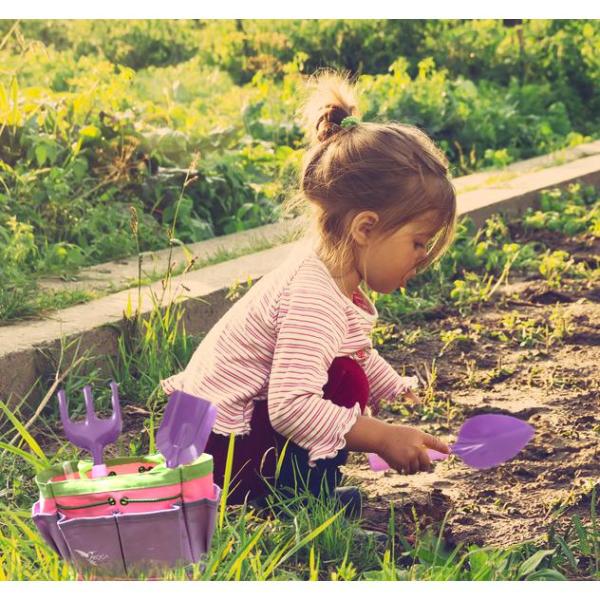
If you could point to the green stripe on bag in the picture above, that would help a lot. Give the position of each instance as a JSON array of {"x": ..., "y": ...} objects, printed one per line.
[{"x": 159, "y": 476}]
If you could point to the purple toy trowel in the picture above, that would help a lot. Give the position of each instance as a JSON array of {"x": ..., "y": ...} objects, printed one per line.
[
  {"x": 184, "y": 431},
  {"x": 483, "y": 442}
]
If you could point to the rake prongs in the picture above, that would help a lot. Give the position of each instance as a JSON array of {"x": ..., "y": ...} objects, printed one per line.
[
  {"x": 63, "y": 407},
  {"x": 92, "y": 433},
  {"x": 89, "y": 402}
]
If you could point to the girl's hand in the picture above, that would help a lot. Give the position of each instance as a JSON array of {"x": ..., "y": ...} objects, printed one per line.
[
  {"x": 405, "y": 449},
  {"x": 412, "y": 398},
  {"x": 167, "y": 385}
]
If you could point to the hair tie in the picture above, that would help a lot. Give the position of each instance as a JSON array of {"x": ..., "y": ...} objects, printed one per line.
[{"x": 349, "y": 121}]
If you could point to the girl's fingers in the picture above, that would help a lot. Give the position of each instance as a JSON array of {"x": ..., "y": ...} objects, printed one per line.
[
  {"x": 414, "y": 466},
  {"x": 435, "y": 443},
  {"x": 424, "y": 461},
  {"x": 412, "y": 397},
  {"x": 167, "y": 385}
]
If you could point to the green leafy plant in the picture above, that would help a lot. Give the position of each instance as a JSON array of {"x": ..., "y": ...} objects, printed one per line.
[{"x": 554, "y": 265}]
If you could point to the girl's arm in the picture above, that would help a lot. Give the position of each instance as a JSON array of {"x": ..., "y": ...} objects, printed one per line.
[
  {"x": 384, "y": 381},
  {"x": 367, "y": 435}
]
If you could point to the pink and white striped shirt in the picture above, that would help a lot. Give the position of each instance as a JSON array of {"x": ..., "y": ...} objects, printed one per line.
[{"x": 276, "y": 344}]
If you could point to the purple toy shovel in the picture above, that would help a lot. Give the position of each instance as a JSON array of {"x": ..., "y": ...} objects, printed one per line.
[
  {"x": 93, "y": 434},
  {"x": 184, "y": 431},
  {"x": 483, "y": 442}
]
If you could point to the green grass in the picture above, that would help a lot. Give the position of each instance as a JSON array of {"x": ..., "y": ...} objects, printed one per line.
[
  {"x": 309, "y": 540},
  {"x": 99, "y": 119},
  {"x": 304, "y": 539}
]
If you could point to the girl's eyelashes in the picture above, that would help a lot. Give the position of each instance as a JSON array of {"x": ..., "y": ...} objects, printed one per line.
[{"x": 419, "y": 245}]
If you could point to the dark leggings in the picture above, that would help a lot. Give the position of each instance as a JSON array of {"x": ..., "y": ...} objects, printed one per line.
[{"x": 255, "y": 454}]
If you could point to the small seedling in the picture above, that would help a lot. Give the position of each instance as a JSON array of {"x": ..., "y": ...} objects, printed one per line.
[
  {"x": 411, "y": 337},
  {"x": 554, "y": 265},
  {"x": 454, "y": 336},
  {"x": 237, "y": 289},
  {"x": 382, "y": 334},
  {"x": 559, "y": 327},
  {"x": 498, "y": 373},
  {"x": 471, "y": 369}
]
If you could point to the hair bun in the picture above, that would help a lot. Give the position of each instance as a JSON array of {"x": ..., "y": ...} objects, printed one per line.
[
  {"x": 332, "y": 99},
  {"x": 329, "y": 123}
]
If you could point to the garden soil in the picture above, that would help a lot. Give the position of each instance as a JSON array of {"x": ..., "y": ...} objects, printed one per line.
[{"x": 555, "y": 388}]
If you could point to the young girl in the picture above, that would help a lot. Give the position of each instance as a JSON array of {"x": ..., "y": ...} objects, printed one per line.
[{"x": 291, "y": 363}]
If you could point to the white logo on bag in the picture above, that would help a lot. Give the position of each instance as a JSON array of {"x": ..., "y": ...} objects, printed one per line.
[{"x": 92, "y": 557}]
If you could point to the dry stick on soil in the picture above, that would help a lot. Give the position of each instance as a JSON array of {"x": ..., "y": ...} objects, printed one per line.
[
  {"x": 521, "y": 303},
  {"x": 504, "y": 274}
]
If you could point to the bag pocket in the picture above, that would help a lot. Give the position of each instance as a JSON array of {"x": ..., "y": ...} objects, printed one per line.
[
  {"x": 154, "y": 541},
  {"x": 200, "y": 519},
  {"x": 48, "y": 529},
  {"x": 94, "y": 545}
]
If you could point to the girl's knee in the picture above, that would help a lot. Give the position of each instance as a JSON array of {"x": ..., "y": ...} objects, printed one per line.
[{"x": 347, "y": 383}]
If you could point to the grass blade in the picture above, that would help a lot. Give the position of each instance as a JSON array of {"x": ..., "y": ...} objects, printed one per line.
[
  {"x": 566, "y": 550},
  {"x": 24, "y": 433},
  {"x": 311, "y": 536},
  {"x": 532, "y": 563},
  {"x": 226, "y": 479},
  {"x": 236, "y": 567},
  {"x": 584, "y": 544},
  {"x": 36, "y": 463}
]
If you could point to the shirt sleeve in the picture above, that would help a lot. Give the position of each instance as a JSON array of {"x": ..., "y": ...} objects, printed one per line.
[
  {"x": 311, "y": 328},
  {"x": 384, "y": 381}
]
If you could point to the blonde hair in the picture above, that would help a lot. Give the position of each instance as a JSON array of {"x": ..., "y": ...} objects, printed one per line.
[{"x": 393, "y": 169}]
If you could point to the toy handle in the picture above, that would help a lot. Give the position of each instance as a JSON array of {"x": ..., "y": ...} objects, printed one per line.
[
  {"x": 378, "y": 464},
  {"x": 99, "y": 471}
]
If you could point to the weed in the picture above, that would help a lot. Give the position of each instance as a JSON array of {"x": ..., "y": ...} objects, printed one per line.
[
  {"x": 237, "y": 289},
  {"x": 554, "y": 265},
  {"x": 470, "y": 372},
  {"x": 410, "y": 337},
  {"x": 499, "y": 373},
  {"x": 382, "y": 333},
  {"x": 526, "y": 332},
  {"x": 473, "y": 289},
  {"x": 455, "y": 337}
]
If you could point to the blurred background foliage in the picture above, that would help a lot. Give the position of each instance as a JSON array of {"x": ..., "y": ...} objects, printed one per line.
[{"x": 100, "y": 116}]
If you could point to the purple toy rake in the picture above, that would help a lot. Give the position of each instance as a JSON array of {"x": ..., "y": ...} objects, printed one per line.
[
  {"x": 483, "y": 442},
  {"x": 93, "y": 434}
]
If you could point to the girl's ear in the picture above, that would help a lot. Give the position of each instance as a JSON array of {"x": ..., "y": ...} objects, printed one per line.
[{"x": 362, "y": 226}]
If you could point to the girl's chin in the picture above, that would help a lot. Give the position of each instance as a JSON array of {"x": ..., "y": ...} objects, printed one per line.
[
  {"x": 407, "y": 278},
  {"x": 392, "y": 287},
  {"x": 400, "y": 286},
  {"x": 403, "y": 283}
]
